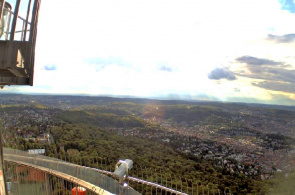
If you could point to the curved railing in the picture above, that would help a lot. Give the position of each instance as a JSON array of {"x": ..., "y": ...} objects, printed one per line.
[
  {"x": 96, "y": 181},
  {"x": 89, "y": 178}
]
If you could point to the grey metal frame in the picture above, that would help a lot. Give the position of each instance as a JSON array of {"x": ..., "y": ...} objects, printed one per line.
[{"x": 17, "y": 57}]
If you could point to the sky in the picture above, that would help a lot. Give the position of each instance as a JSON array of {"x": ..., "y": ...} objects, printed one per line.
[{"x": 230, "y": 50}]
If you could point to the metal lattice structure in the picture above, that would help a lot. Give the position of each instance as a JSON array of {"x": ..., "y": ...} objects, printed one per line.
[{"x": 17, "y": 42}]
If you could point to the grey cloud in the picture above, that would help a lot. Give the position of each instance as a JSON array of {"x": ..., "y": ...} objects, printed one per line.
[
  {"x": 256, "y": 69},
  {"x": 282, "y": 74},
  {"x": 50, "y": 67},
  {"x": 257, "y": 61},
  {"x": 288, "y": 38},
  {"x": 274, "y": 74},
  {"x": 276, "y": 86},
  {"x": 165, "y": 68},
  {"x": 275, "y": 78},
  {"x": 266, "y": 69},
  {"x": 221, "y": 73}
]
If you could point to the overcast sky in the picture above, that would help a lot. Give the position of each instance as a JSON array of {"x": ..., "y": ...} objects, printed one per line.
[{"x": 230, "y": 50}]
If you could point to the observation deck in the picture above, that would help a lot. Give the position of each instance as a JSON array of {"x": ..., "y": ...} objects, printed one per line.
[{"x": 37, "y": 174}]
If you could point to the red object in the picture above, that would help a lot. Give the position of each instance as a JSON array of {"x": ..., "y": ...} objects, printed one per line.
[{"x": 80, "y": 191}]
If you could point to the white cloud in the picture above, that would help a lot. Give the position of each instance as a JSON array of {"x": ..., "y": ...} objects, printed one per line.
[{"x": 191, "y": 37}]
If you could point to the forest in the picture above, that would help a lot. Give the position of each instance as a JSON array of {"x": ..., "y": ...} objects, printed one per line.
[{"x": 84, "y": 135}]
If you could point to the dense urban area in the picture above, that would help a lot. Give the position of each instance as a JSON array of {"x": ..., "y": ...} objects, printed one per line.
[{"x": 228, "y": 146}]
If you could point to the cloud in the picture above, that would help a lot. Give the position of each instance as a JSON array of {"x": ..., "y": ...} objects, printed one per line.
[
  {"x": 265, "y": 69},
  {"x": 182, "y": 37},
  {"x": 257, "y": 61},
  {"x": 273, "y": 78},
  {"x": 287, "y": 38},
  {"x": 277, "y": 74},
  {"x": 236, "y": 90},
  {"x": 165, "y": 68},
  {"x": 107, "y": 61},
  {"x": 276, "y": 86},
  {"x": 101, "y": 63},
  {"x": 288, "y": 5},
  {"x": 50, "y": 67},
  {"x": 270, "y": 73},
  {"x": 221, "y": 73}
]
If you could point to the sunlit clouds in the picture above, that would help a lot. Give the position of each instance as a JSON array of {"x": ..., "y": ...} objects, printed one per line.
[{"x": 211, "y": 50}]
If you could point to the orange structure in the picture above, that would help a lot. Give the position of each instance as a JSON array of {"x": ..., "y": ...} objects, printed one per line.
[{"x": 79, "y": 191}]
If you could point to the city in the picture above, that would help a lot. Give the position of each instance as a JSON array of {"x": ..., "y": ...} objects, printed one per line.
[{"x": 234, "y": 139}]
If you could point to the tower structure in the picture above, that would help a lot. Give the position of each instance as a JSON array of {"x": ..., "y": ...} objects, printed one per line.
[{"x": 18, "y": 32}]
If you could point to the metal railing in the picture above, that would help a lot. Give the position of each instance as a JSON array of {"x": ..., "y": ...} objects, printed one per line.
[
  {"x": 24, "y": 26},
  {"x": 98, "y": 181},
  {"x": 90, "y": 178},
  {"x": 16, "y": 24}
]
